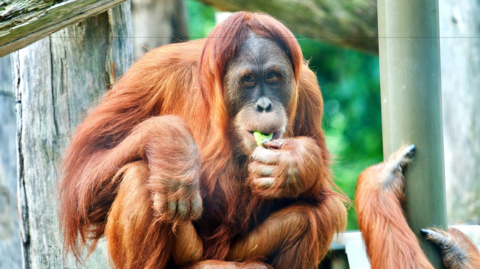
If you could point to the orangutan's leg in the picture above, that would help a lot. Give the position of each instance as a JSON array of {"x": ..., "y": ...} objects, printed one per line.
[{"x": 297, "y": 236}]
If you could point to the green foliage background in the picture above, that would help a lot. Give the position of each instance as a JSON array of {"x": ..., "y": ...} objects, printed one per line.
[{"x": 350, "y": 83}]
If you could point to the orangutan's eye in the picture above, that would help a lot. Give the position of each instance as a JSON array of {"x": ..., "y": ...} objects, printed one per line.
[
  {"x": 248, "y": 80},
  {"x": 272, "y": 76}
]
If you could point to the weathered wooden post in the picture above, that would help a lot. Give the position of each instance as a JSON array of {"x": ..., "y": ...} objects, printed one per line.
[
  {"x": 9, "y": 233},
  {"x": 56, "y": 80},
  {"x": 169, "y": 19},
  {"x": 460, "y": 29},
  {"x": 411, "y": 106},
  {"x": 26, "y": 21}
]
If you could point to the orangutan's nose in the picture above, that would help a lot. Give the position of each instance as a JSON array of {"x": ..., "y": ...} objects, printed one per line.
[{"x": 264, "y": 104}]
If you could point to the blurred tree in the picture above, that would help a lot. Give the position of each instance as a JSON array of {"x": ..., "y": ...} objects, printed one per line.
[
  {"x": 460, "y": 55},
  {"x": 201, "y": 19},
  {"x": 345, "y": 23},
  {"x": 156, "y": 23},
  {"x": 10, "y": 247}
]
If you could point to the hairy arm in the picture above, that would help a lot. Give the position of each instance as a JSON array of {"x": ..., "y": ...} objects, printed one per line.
[
  {"x": 296, "y": 166},
  {"x": 379, "y": 199},
  {"x": 96, "y": 152},
  {"x": 286, "y": 168}
]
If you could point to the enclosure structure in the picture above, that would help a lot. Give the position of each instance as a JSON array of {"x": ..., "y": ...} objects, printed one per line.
[
  {"x": 55, "y": 80},
  {"x": 411, "y": 107},
  {"x": 434, "y": 200}
]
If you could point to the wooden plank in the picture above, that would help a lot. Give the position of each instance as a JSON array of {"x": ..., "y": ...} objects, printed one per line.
[
  {"x": 10, "y": 251},
  {"x": 23, "y": 22},
  {"x": 169, "y": 18},
  {"x": 57, "y": 79},
  {"x": 344, "y": 23},
  {"x": 460, "y": 53}
]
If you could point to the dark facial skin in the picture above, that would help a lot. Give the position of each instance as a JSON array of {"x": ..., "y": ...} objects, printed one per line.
[{"x": 258, "y": 87}]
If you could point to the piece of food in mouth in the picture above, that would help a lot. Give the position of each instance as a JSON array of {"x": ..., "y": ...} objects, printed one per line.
[{"x": 262, "y": 138}]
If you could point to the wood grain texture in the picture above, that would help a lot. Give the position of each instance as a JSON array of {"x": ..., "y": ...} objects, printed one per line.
[
  {"x": 460, "y": 53},
  {"x": 56, "y": 81},
  {"x": 168, "y": 18},
  {"x": 10, "y": 248},
  {"x": 23, "y": 22},
  {"x": 345, "y": 23}
]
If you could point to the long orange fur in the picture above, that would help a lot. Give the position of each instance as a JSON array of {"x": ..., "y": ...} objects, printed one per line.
[
  {"x": 120, "y": 159},
  {"x": 389, "y": 240},
  {"x": 125, "y": 156}
]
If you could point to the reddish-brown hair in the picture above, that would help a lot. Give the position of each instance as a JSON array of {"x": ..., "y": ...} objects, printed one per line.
[
  {"x": 166, "y": 76},
  {"x": 187, "y": 80},
  {"x": 221, "y": 47}
]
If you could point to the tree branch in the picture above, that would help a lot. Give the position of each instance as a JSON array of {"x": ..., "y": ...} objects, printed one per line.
[{"x": 343, "y": 23}]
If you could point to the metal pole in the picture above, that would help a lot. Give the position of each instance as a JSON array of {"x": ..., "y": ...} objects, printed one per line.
[{"x": 411, "y": 107}]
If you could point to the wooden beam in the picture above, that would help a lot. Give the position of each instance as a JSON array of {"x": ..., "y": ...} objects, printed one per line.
[
  {"x": 351, "y": 24},
  {"x": 23, "y": 22},
  {"x": 56, "y": 81}
]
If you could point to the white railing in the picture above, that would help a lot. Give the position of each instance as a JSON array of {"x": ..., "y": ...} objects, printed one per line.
[{"x": 354, "y": 246}]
